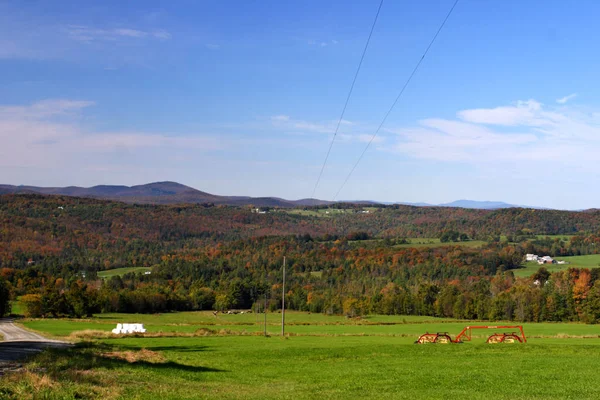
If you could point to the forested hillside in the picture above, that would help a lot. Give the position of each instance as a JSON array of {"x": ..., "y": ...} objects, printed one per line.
[
  {"x": 216, "y": 257},
  {"x": 111, "y": 234}
]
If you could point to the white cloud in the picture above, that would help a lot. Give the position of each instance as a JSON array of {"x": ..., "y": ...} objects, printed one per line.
[
  {"x": 519, "y": 135},
  {"x": 47, "y": 134},
  {"x": 87, "y": 34},
  {"x": 523, "y": 112},
  {"x": 361, "y": 138},
  {"x": 212, "y": 46},
  {"x": 563, "y": 100},
  {"x": 44, "y": 109},
  {"x": 34, "y": 36},
  {"x": 129, "y": 32},
  {"x": 162, "y": 34},
  {"x": 322, "y": 43},
  {"x": 349, "y": 131}
]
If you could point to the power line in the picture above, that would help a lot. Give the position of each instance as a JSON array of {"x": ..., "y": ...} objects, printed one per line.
[
  {"x": 397, "y": 98},
  {"x": 347, "y": 98}
]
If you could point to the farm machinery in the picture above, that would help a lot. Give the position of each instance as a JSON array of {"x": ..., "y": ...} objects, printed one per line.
[{"x": 466, "y": 335}]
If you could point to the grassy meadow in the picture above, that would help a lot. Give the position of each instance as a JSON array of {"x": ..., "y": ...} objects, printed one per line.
[
  {"x": 590, "y": 261},
  {"x": 435, "y": 242},
  {"x": 121, "y": 271},
  {"x": 199, "y": 355}
]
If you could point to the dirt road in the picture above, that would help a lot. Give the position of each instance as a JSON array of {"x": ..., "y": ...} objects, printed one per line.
[
  {"x": 19, "y": 343},
  {"x": 13, "y": 333}
]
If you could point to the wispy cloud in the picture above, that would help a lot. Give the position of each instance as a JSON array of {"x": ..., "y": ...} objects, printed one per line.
[
  {"x": 43, "y": 37},
  {"x": 322, "y": 43},
  {"x": 87, "y": 34},
  {"x": 44, "y": 109},
  {"x": 212, "y": 46},
  {"x": 522, "y": 112},
  {"x": 349, "y": 132},
  {"x": 563, "y": 100},
  {"x": 520, "y": 134},
  {"x": 48, "y": 133},
  {"x": 280, "y": 118}
]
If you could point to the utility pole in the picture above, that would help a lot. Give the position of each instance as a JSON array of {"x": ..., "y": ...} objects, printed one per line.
[{"x": 283, "y": 301}]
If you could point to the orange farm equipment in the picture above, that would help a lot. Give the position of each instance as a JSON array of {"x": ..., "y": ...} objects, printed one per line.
[
  {"x": 435, "y": 338},
  {"x": 465, "y": 334}
]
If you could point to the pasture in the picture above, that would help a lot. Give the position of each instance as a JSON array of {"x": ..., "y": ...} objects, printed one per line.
[
  {"x": 435, "y": 242},
  {"x": 415, "y": 242},
  {"x": 530, "y": 267},
  {"x": 198, "y": 355},
  {"x": 121, "y": 271}
]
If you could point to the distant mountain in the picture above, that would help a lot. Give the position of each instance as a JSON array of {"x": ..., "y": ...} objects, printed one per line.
[
  {"x": 159, "y": 193},
  {"x": 416, "y": 204},
  {"x": 484, "y": 205},
  {"x": 176, "y": 193}
]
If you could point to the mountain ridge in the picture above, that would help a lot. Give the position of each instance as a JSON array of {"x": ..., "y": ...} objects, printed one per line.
[{"x": 169, "y": 192}]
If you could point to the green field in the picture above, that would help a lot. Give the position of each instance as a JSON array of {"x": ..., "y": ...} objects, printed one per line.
[
  {"x": 435, "y": 242},
  {"x": 16, "y": 307},
  {"x": 324, "y": 356},
  {"x": 298, "y": 323},
  {"x": 405, "y": 328},
  {"x": 317, "y": 213},
  {"x": 416, "y": 242},
  {"x": 590, "y": 261},
  {"x": 121, "y": 271}
]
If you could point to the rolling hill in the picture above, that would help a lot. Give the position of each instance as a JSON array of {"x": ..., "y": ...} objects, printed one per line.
[
  {"x": 176, "y": 193},
  {"x": 158, "y": 193}
]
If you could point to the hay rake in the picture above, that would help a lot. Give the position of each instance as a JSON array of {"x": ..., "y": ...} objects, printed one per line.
[{"x": 466, "y": 335}]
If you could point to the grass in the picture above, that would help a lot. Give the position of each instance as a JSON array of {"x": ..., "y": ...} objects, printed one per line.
[
  {"x": 590, "y": 261},
  {"x": 561, "y": 237},
  {"x": 189, "y": 322},
  {"x": 121, "y": 271},
  {"x": 530, "y": 267},
  {"x": 324, "y": 356},
  {"x": 435, "y": 242},
  {"x": 17, "y": 307},
  {"x": 306, "y": 367},
  {"x": 416, "y": 242},
  {"x": 405, "y": 328},
  {"x": 317, "y": 213}
]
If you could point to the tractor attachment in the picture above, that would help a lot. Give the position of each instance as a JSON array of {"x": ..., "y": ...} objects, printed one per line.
[
  {"x": 442, "y": 337},
  {"x": 504, "y": 338},
  {"x": 465, "y": 334},
  {"x": 496, "y": 337}
]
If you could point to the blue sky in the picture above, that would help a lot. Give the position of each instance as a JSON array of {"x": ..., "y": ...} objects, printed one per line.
[{"x": 242, "y": 98}]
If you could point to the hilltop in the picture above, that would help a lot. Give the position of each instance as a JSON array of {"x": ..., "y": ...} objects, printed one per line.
[{"x": 176, "y": 193}]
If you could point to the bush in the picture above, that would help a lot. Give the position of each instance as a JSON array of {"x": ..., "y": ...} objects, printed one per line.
[{"x": 33, "y": 305}]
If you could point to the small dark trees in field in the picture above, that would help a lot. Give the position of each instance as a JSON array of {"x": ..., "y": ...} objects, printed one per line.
[{"x": 453, "y": 236}]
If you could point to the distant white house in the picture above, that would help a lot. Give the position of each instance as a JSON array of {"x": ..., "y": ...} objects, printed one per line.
[
  {"x": 546, "y": 260},
  {"x": 531, "y": 257},
  {"x": 542, "y": 260},
  {"x": 147, "y": 272}
]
